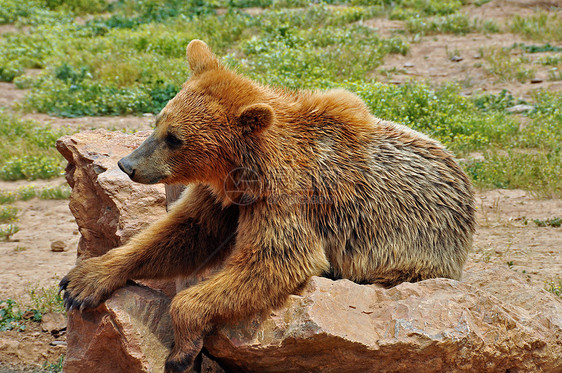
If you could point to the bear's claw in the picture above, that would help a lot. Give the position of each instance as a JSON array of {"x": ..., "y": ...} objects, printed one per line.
[{"x": 63, "y": 284}]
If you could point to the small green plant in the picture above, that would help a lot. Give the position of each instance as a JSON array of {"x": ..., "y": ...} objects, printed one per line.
[
  {"x": 55, "y": 367},
  {"x": 12, "y": 316},
  {"x": 536, "y": 48},
  {"x": 7, "y": 231},
  {"x": 45, "y": 300},
  {"x": 26, "y": 193},
  {"x": 554, "y": 287},
  {"x": 554, "y": 222},
  {"x": 55, "y": 192},
  {"x": 7, "y": 197},
  {"x": 8, "y": 214}
]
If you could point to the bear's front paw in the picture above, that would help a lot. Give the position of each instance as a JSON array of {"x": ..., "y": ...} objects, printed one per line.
[
  {"x": 181, "y": 360},
  {"x": 88, "y": 284}
]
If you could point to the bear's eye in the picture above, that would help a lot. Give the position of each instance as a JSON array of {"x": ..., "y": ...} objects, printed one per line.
[{"x": 172, "y": 141}]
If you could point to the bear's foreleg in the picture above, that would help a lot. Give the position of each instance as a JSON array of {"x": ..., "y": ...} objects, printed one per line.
[
  {"x": 267, "y": 265},
  {"x": 196, "y": 234}
]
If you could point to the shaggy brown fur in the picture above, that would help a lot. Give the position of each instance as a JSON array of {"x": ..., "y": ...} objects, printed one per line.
[{"x": 284, "y": 186}]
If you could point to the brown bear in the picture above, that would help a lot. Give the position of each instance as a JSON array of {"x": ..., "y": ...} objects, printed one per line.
[{"x": 284, "y": 185}]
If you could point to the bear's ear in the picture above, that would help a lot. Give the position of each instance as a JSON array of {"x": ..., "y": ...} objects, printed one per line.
[
  {"x": 256, "y": 117},
  {"x": 200, "y": 57}
]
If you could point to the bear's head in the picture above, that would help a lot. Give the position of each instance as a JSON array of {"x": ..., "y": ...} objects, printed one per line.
[{"x": 206, "y": 129}]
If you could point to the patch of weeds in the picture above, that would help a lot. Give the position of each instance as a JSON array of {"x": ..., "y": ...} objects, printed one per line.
[
  {"x": 539, "y": 27},
  {"x": 537, "y": 48},
  {"x": 551, "y": 60},
  {"x": 553, "y": 222},
  {"x": 554, "y": 287},
  {"x": 554, "y": 74},
  {"x": 496, "y": 102},
  {"x": 7, "y": 231},
  {"x": 506, "y": 67},
  {"x": 8, "y": 214},
  {"x": 45, "y": 300},
  {"x": 12, "y": 316},
  {"x": 536, "y": 171},
  {"x": 314, "y": 58},
  {"x": 55, "y": 192},
  {"x": 55, "y": 367},
  {"x": 27, "y": 149},
  {"x": 78, "y": 6},
  {"x": 31, "y": 168},
  {"x": 26, "y": 193},
  {"x": 441, "y": 113},
  {"x": 7, "y": 197},
  {"x": 408, "y": 8},
  {"x": 487, "y": 26},
  {"x": 452, "y": 24},
  {"x": 19, "y": 248}
]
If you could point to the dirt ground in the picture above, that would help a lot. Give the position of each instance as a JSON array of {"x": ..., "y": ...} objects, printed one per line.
[
  {"x": 431, "y": 58},
  {"x": 506, "y": 233}
]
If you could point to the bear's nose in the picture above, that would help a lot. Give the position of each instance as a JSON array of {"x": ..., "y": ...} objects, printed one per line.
[{"x": 126, "y": 166}]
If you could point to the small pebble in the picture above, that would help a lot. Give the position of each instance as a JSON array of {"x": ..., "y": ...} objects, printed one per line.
[
  {"x": 58, "y": 246},
  {"x": 536, "y": 80},
  {"x": 456, "y": 58},
  {"x": 408, "y": 64}
]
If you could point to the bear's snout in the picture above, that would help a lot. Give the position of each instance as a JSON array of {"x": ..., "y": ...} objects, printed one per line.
[{"x": 126, "y": 166}]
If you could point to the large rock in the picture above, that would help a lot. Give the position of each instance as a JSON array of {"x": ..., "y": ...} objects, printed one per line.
[
  {"x": 109, "y": 208},
  {"x": 130, "y": 332},
  {"x": 492, "y": 321},
  {"x": 437, "y": 325}
]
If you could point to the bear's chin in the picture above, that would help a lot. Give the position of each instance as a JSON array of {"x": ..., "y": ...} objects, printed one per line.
[{"x": 147, "y": 179}]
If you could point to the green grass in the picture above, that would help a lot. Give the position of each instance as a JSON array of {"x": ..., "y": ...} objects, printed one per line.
[
  {"x": 56, "y": 192},
  {"x": 28, "y": 192},
  {"x": 16, "y": 316},
  {"x": 130, "y": 59},
  {"x": 553, "y": 222},
  {"x": 8, "y": 214},
  {"x": 27, "y": 149},
  {"x": 506, "y": 67},
  {"x": 450, "y": 24},
  {"x": 540, "y": 27}
]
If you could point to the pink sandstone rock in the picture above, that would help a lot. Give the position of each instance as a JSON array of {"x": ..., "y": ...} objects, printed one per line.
[
  {"x": 130, "y": 332},
  {"x": 437, "y": 325},
  {"x": 109, "y": 208}
]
